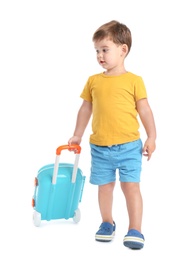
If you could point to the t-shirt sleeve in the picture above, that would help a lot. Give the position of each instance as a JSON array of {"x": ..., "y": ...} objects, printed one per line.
[
  {"x": 86, "y": 93},
  {"x": 140, "y": 89}
]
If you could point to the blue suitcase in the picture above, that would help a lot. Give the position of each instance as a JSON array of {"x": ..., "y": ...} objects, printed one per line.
[{"x": 58, "y": 189}]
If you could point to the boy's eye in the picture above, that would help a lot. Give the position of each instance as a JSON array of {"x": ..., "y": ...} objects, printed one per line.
[{"x": 103, "y": 50}]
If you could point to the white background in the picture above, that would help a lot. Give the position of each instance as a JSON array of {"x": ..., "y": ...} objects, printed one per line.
[{"x": 46, "y": 56}]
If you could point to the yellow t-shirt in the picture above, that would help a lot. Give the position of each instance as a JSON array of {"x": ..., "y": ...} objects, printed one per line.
[{"x": 114, "y": 107}]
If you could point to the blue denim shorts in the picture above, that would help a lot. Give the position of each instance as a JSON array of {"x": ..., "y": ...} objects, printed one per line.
[{"x": 106, "y": 161}]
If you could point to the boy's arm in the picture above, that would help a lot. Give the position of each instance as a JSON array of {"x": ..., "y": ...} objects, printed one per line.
[
  {"x": 147, "y": 119},
  {"x": 83, "y": 117}
]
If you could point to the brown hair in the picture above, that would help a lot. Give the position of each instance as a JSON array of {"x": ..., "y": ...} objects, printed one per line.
[{"x": 117, "y": 32}]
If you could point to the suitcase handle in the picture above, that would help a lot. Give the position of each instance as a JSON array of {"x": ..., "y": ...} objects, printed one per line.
[{"x": 74, "y": 147}]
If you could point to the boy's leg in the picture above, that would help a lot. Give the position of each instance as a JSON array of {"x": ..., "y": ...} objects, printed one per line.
[
  {"x": 134, "y": 204},
  {"x": 107, "y": 228},
  {"x": 105, "y": 200},
  {"x": 134, "y": 239}
]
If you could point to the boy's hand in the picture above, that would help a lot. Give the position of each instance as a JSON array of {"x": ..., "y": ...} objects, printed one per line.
[
  {"x": 74, "y": 140},
  {"x": 149, "y": 148}
]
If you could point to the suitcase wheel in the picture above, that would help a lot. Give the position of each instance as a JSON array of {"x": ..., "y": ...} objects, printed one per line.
[
  {"x": 36, "y": 218},
  {"x": 77, "y": 216}
]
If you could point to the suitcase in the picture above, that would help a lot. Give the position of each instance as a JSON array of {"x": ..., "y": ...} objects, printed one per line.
[{"x": 58, "y": 189}]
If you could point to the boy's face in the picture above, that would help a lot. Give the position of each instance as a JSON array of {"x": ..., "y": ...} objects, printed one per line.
[{"x": 109, "y": 54}]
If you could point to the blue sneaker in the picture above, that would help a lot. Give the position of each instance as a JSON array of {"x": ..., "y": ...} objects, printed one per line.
[
  {"x": 106, "y": 232},
  {"x": 134, "y": 239}
]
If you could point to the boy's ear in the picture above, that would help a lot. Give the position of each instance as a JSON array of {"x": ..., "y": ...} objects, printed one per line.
[{"x": 125, "y": 49}]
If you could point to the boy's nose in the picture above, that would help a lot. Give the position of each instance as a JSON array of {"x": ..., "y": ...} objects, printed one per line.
[{"x": 99, "y": 55}]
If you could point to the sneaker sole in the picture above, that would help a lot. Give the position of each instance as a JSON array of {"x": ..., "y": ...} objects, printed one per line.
[
  {"x": 133, "y": 242},
  {"x": 104, "y": 238}
]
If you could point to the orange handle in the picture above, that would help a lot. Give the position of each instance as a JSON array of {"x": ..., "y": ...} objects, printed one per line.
[{"x": 74, "y": 147}]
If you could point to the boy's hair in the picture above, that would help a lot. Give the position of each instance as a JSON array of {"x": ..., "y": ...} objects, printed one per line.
[{"x": 117, "y": 32}]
